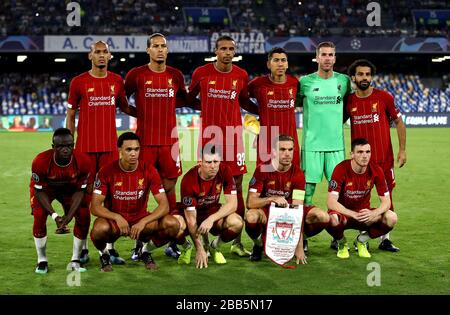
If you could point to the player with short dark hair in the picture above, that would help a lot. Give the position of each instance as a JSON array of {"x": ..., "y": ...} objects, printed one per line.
[
  {"x": 95, "y": 94},
  {"x": 201, "y": 188},
  {"x": 223, "y": 91},
  {"x": 322, "y": 96},
  {"x": 120, "y": 199},
  {"x": 349, "y": 200},
  {"x": 276, "y": 95},
  {"x": 283, "y": 183},
  {"x": 158, "y": 89},
  {"x": 63, "y": 175},
  {"x": 371, "y": 112}
]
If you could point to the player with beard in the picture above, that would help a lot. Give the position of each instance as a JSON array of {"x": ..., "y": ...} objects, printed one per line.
[
  {"x": 371, "y": 112},
  {"x": 222, "y": 87},
  {"x": 95, "y": 94}
]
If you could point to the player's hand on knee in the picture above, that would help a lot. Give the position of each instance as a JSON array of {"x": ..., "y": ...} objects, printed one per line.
[
  {"x": 205, "y": 226},
  {"x": 136, "y": 230},
  {"x": 123, "y": 225}
]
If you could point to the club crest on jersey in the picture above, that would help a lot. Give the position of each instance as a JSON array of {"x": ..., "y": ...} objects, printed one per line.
[
  {"x": 234, "y": 85},
  {"x": 218, "y": 188},
  {"x": 169, "y": 82},
  {"x": 149, "y": 82},
  {"x": 333, "y": 184},
  {"x": 291, "y": 93},
  {"x": 374, "y": 107},
  {"x": 288, "y": 185},
  {"x": 140, "y": 183},
  {"x": 187, "y": 201},
  {"x": 369, "y": 183},
  {"x": 90, "y": 90},
  {"x": 112, "y": 88},
  {"x": 35, "y": 177},
  {"x": 270, "y": 93},
  {"x": 271, "y": 183}
]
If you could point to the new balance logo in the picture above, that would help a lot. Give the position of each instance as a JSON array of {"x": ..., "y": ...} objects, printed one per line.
[
  {"x": 90, "y": 90},
  {"x": 316, "y": 89},
  {"x": 148, "y": 82}
]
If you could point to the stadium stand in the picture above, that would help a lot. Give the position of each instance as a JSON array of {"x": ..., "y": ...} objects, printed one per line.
[
  {"x": 47, "y": 94},
  {"x": 274, "y": 17}
]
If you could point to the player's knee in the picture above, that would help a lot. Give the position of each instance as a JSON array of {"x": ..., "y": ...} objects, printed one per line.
[
  {"x": 235, "y": 222},
  {"x": 317, "y": 215},
  {"x": 334, "y": 220},
  {"x": 170, "y": 224},
  {"x": 101, "y": 229},
  {"x": 252, "y": 216},
  {"x": 390, "y": 218}
]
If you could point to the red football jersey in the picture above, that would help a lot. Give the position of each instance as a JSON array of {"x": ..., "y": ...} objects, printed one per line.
[
  {"x": 276, "y": 103},
  {"x": 370, "y": 118},
  {"x": 354, "y": 189},
  {"x": 58, "y": 180},
  {"x": 219, "y": 99},
  {"x": 96, "y": 99},
  {"x": 198, "y": 194},
  {"x": 155, "y": 94},
  {"x": 269, "y": 182},
  {"x": 126, "y": 192}
]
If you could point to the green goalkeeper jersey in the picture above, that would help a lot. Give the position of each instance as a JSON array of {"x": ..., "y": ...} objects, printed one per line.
[{"x": 323, "y": 109}]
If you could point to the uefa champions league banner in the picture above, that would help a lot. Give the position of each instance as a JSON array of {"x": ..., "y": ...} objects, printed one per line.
[
  {"x": 380, "y": 44},
  {"x": 21, "y": 43},
  {"x": 247, "y": 43},
  {"x": 283, "y": 232}
]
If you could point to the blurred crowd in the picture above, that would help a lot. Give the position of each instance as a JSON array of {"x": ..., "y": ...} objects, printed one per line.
[
  {"x": 47, "y": 94},
  {"x": 273, "y": 17}
]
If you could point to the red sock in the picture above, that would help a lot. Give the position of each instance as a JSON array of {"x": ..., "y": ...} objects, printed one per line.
[
  {"x": 315, "y": 228},
  {"x": 253, "y": 230}
]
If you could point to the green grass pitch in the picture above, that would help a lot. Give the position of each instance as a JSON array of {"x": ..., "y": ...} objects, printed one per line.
[{"x": 421, "y": 267}]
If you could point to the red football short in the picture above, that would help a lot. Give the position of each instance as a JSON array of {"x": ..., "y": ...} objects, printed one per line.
[{"x": 165, "y": 158}]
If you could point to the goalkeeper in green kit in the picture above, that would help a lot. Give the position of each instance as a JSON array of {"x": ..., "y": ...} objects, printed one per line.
[{"x": 322, "y": 96}]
